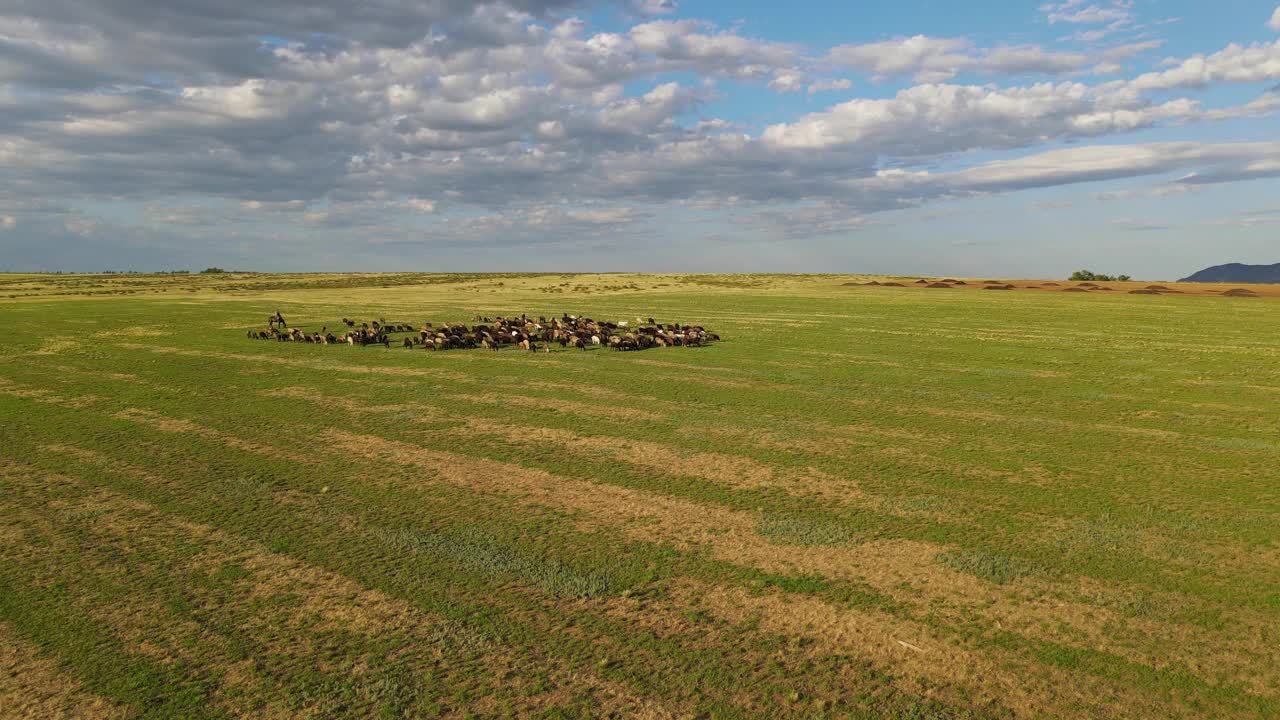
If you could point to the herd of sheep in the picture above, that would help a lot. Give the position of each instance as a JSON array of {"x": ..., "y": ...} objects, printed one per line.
[{"x": 523, "y": 332}]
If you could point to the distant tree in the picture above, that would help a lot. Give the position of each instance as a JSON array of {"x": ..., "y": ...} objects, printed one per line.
[
  {"x": 212, "y": 271},
  {"x": 1087, "y": 275}
]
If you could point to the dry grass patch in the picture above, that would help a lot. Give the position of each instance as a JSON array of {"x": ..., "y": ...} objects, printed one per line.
[
  {"x": 432, "y": 373},
  {"x": 730, "y": 535},
  {"x": 621, "y": 413},
  {"x": 354, "y": 406},
  {"x": 57, "y": 346},
  {"x": 40, "y": 395},
  {"x": 324, "y": 601},
  {"x": 33, "y": 688},
  {"x": 720, "y": 468},
  {"x": 922, "y": 661},
  {"x": 316, "y": 600},
  {"x": 824, "y": 446},
  {"x": 177, "y": 425}
]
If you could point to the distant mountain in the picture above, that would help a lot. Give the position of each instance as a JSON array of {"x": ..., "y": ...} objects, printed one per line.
[{"x": 1237, "y": 273}]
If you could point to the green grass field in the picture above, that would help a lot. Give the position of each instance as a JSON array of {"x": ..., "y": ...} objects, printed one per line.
[{"x": 863, "y": 502}]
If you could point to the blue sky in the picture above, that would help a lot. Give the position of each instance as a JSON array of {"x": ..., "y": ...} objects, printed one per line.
[{"x": 981, "y": 138}]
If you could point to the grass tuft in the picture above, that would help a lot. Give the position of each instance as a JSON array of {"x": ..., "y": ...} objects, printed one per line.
[
  {"x": 801, "y": 530},
  {"x": 478, "y": 551},
  {"x": 999, "y": 569}
]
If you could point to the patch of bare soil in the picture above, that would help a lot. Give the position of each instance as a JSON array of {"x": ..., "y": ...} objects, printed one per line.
[{"x": 939, "y": 285}]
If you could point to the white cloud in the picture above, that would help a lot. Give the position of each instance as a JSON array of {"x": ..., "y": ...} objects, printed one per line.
[
  {"x": 511, "y": 119},
  {"x": 1274, "y": 23},
  {"x": 787, "y": 81},
  {"x": 933, "y": 59},
  {"x": 829, "y": 85},
  {"x": 653, "y": 7},
  {"x": 929, "y": 119},
  {"x": 1076, "y": 12},
  {"x": 1258, "y": 62},
  {"x": 1139, "y": 224}
]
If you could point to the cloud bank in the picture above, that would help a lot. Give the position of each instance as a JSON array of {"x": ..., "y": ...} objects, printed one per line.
[{"x": 321, "y": 131}]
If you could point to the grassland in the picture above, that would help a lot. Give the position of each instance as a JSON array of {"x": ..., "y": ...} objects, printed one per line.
[{"x": 864, "y": 502}]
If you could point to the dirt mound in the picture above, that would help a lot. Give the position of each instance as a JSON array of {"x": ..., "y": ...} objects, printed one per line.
[
  {"x": 992, "y": 282},
  {"x": 1239, "y": 292},
  {"x": 850, "y": 284},
  {"x": 1051, "y": 285},
  {"x": 1144, "y": 292},
  {"x": 948, "y": 280},
  {"x": 939, "y": 285},
  {"x": 1103, "y": 288},
  {"x": 1155, "y": 287},
  {"x": 873, "y": 282},
  {"x": 1075, "y": 290},
  {"x": 961, "y": 282},
  {"x": 1086, "y": 284},
  {"x": 922, "y": 282},
  {"x": 998, "y": 287},
  {"x": 892, "y": 284}
]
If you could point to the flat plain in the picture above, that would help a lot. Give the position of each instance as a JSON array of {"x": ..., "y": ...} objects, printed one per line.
[{"x": 865, "y": 501}]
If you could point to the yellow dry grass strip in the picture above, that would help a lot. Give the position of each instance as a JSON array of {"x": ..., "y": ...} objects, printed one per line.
[
  {"x": 611, "y": 411},
  {"x": 168, "y": 424},
  {"x": 33, "y": 688},
  {"x": 352, "y": 404},
  {"x": 721, "y": 468},
  {"x": 907, "y": 570},
  {"x": 57, "y": 346},
  {"x": 687, "y": 367},
  {"x": 595, "y": 391},
  {"x": 138, "y": 331},
  {"x": 324, "y": 600},
  {"x": 319, "y": 364},
  {"x": 18, "y": 390},
  {"x": 825, "y": 446},
  {"x": 923, "y": 662}
]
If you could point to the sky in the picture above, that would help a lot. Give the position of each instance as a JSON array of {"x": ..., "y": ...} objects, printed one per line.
[{"x": 980, "y": 138}]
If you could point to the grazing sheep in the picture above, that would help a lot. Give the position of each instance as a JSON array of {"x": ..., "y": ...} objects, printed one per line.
[{"x": 510, "y": 329}]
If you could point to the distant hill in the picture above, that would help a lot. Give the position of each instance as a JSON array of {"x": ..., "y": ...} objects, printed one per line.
[{"x": 1237, "y": 273}]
